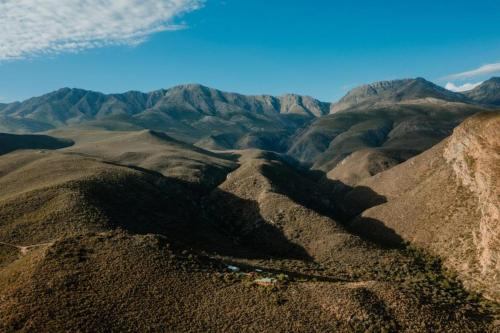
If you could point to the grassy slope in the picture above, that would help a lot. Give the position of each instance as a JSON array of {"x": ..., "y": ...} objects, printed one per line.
[
  {"x": 100, "y": 271},
  {"x": 154, "y": 151}
]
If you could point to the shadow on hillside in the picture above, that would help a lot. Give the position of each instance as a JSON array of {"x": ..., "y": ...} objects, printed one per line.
[
  {"x": 351, "y": 202},
  {"x": 223, "y": 223},
  {"x": 375, "y": 231},
  {"x": 244, "y": 231},
  {"x": 315, "y": 191},
  {"x": 12, "y": 142},
  {"x": 336, "y": 200},
  {"x": 220, "y": 223}
]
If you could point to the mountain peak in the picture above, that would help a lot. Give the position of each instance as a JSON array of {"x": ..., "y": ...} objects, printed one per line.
[
  {"x": 493, "y": 82},
  {"x": 305, "y": 105},
  {"x": 487, "y": 93},
  {"x": 394, "y": 91},
  {"x": 191, "y": 87}
]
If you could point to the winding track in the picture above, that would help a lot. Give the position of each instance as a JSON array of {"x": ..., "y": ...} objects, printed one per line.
[{"x": 24, "y": 249}]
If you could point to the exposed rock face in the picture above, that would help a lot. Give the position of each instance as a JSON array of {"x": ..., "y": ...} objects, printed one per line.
[
  {"x": 474, "y": 154},
  {"x": 445, "y": 200},
  {"x": 487, "y": 93},
  {"x": 302, "y": 105},
  {"x": 396, "y": 119},
  {"x": 394, "y": 91}
]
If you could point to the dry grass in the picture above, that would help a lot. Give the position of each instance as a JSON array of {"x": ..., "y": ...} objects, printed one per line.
[{"x": 134, "y": 250}]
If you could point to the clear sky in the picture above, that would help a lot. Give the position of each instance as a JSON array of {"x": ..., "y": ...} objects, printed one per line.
[{"x": 320, "y": 48}]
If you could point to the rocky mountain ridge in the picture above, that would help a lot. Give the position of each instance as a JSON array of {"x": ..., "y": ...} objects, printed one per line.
[
  {"x": 72, "y": 105},
  {"x": 68, "y": 106}
]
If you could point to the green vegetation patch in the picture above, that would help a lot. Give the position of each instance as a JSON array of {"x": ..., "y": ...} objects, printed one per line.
[
  {"x": 470, "y": 161},
  {"x": 440, "y": 287},
  {"x": 8, "y": 254}
]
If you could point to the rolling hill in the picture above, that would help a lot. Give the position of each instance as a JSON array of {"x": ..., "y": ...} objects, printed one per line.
[
  {"x": 151, "y": 150},
  {"x": 94, "y": 241},
  {"x": 11, "y": 142}
]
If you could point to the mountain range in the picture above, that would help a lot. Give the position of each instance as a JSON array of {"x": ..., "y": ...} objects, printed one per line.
[
  {"x": 191, "y": 210},
  {"x": 187, "y": 108},
  {"x": 189, "y": 112},
  {"x": 213, "y": 119}
]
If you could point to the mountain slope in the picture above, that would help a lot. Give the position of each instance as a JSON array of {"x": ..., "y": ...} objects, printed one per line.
[
  {"x": 395, "y": 132},
  {"x": 214, "y": 119},
  {"x": 118, "y": 282},
  {"x": 446, "y": 200},
  {"x": 102, "y": 246},
  {"x": 153, "y": 151},
  {"x": 66, "y": 106},
  {"x": 135, "y": 230},
  {"x": 49, "y": 195},
  {"x": 487, "y": 93}
]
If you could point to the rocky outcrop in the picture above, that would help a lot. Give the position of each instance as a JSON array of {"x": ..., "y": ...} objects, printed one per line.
[{"x": 473, "y": 152}]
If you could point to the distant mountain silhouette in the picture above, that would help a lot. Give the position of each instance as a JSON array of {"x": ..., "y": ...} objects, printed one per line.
[
  {"x": 394, "y": 91},
  {"x": 189, "y": 112}
]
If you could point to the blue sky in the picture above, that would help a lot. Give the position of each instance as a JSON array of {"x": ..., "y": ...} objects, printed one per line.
[{"x": 318, "y": 48}]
